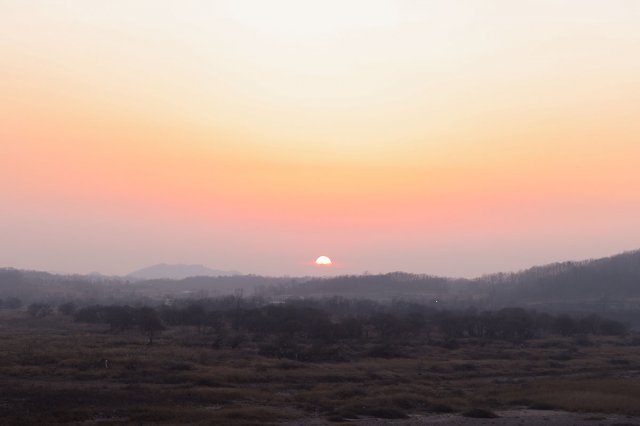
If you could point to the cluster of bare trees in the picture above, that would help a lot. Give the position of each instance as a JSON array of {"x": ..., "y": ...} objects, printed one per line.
[
  {"x": 517, "y": 324},
  {"x": 121, "y": 318},
  {"x": 10, "y": 303},
  {"x": 307, "y": 329}
]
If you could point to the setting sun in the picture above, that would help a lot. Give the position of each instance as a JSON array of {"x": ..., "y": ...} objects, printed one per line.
[
  {"x": 193, "y": 131},
  {"x": 323, "y": 261},
  {"x": 168, "y": 169}
]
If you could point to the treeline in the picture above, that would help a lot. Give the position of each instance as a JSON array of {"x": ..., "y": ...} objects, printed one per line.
[
  {"x": 606, "y": 286},
  {"x": 605, "y": 280},
  {"x": 10, "y": 303},
  {"x": 34, "y": 286},
  {"x": 319, "y": 329},
  {"x": 379, "y": 286}
]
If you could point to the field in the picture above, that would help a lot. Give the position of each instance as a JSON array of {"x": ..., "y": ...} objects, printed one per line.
[{"x": 54, "y": 370}]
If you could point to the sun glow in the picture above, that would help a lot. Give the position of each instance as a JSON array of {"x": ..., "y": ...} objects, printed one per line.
[
  {"x": 398, "y": 134},
  {"x": 323, "y": 261},
  {"x": 294, "y": 18}
]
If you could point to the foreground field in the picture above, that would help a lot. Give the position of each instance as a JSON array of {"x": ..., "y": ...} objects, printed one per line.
[{"x": 54, "y": 370}]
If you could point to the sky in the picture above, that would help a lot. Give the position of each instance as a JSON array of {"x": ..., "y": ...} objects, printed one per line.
[{"x": 445, "y": 137}]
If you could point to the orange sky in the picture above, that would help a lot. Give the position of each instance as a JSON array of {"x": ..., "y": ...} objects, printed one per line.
[{"x": 444, "y": 137}]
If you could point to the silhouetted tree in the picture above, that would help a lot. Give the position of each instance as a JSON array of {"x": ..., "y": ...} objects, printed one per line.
[
  {"x": 12, "y": 303},
  {"x": 565, "y": 325},
  {"x": 39, "y": 310},
  {"x": 119, "y": 318},
  {"x": 149, "y": 322},
  {"x": 67, "y": 308}
]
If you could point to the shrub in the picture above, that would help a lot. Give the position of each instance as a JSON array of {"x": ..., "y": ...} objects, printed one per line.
[
  {"x": 67, "y": 308},
  {"x": 480, "y": 413},
  {"x": 12, "y": 303},
  {"x": 384, "y": 350},
  {"x": 541, "y": 406},
  {"x": 39, "y": 310},
  {"x": 441, "y": 408}
]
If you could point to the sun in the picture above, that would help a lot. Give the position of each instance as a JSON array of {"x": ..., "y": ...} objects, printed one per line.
[{"x": 323, "y": 261}]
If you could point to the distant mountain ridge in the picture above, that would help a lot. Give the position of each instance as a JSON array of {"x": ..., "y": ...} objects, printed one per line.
[
  {"x": 609, "y": 281},
  {"x": 177, "y": 272},
  {"x": 609, "y": 285},
  {"x": 616, "y": 277}
]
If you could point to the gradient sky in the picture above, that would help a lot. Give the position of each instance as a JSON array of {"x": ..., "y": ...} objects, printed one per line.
[{"x": 445, "y": 137}]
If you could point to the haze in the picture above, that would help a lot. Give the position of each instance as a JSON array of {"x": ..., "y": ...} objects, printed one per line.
[{"x": 454, "y": 138}]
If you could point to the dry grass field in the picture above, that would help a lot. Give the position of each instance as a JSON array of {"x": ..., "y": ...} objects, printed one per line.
[{"x": 53, "y": 370}]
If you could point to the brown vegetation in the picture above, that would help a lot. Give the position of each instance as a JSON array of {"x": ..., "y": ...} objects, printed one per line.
[{"x": 53, "y": 370}]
